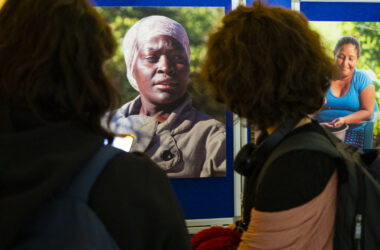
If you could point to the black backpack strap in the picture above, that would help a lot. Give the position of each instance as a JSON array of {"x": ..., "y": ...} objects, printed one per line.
[
  {"x": 310, "y": 141},
  {"x": 82, "y": 183}
]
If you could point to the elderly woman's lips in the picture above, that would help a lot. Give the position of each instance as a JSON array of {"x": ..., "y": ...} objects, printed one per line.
[
  {"x": 164, "y": 80},
  {"x": 166, "y": 84}
]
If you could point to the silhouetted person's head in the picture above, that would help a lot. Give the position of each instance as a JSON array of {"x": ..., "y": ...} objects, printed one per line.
[
  {"x": 51, "y": 55},
  {"x": 266, "y": 64}
]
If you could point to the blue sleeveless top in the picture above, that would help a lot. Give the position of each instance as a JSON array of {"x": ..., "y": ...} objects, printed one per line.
[{"x": 347, "y": 104}]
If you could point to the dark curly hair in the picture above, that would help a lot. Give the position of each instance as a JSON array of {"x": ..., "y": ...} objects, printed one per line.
[
  {"x": 51, "y": 55},
  {"x": 267, "y": 65}
]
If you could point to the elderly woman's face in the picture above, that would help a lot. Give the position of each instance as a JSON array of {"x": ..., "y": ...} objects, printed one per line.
[
  {"x": 161, "y": 70},
  {"x": 346, "y": 59}
]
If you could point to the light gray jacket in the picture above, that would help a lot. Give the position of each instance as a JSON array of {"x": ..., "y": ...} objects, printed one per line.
[{"x": 188, "y": 144}]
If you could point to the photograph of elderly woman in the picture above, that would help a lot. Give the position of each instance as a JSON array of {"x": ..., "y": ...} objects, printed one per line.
[
  {"x": 169, "y": 112},
  {"x": 351, "y": 109}
]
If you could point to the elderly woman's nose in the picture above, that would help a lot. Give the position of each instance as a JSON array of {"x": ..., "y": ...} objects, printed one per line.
[{"x": 165, "y": 65}]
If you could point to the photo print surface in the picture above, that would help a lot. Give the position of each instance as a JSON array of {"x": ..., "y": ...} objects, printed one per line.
[
  {"x": 166, "y": 108},
  {"x": 356, "y": 103}
]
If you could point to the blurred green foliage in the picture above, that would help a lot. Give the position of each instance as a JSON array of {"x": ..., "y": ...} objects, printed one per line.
[
  {"x": 368, "y": 34},
  {"x": 198, "y": 22}
]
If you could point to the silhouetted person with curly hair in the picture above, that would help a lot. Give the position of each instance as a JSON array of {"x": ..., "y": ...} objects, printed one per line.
[{"x": 268, "y": 66}]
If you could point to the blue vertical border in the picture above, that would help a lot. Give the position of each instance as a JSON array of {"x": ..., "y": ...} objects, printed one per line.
[{"x": 201, "y": 198}]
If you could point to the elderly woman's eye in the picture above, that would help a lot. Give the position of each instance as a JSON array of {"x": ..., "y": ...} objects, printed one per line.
[
  {"x": 179, "y": 58},
  {"x": 151, "y": 58}
]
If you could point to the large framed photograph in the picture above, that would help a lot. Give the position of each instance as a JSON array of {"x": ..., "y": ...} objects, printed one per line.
[
  {"x": 188, "y": 139},
  {"x": 367, "y": 63},
  {"x": 337, "y": 23},
  {"x": 352, "y": 38},
  {"x": 164, "y": 34}
]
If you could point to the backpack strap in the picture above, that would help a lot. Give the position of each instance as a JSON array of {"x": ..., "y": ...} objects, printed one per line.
[
  {"x": 310, "y": 141},
  {"x": 82, "y": 183}
]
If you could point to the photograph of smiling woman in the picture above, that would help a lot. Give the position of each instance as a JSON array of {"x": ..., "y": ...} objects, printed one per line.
[
  {"x": 351, "y": 98},
  {"x": 183, "y": 141}
]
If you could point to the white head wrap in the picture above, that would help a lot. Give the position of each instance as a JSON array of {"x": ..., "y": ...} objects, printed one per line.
[{"x": 143, "y": 31}]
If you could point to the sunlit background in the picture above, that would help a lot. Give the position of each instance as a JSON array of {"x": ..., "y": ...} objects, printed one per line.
[{"x": 2, "y": 3}]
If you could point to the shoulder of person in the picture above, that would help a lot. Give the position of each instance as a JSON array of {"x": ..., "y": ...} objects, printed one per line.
[
  {"x": 361, "y": 73},
  {"x": 133, "y": 197},
  {"x": 294, "y": 179},
  {"x": 126, "y": 109},
  {"x": 133, "y": 176},
  {"x": 300, "y": 167},
  {"x": 301, "y": 156},
  {"x": 361, "y": 78},
  {"x": 207, "y": 120},
  {"x": 136, "y": 162}
]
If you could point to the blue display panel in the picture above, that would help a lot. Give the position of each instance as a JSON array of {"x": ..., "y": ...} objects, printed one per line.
[
  {"x": 201, "y": 198},
  {"x": 204, "y": 198},
  {"x": 341, "y": 11},
  {"x": 151, "y": 3}
]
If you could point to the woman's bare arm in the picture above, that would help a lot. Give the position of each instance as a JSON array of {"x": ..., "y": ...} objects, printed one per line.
[{"x": 367, "y": 101}]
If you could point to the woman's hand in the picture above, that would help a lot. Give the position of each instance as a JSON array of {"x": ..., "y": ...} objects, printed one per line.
[
  {"x": 327, "y": 124},
  {"x": 338, "y": 122}
]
